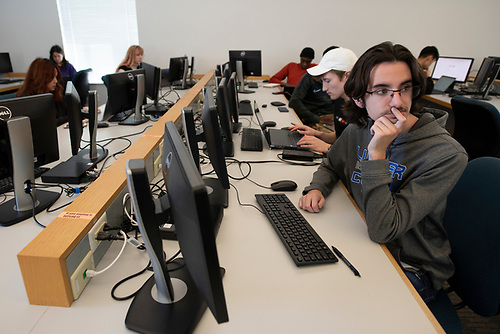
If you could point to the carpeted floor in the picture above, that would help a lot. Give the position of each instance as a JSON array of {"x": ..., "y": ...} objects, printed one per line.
[{"x": 475, "y": 324}]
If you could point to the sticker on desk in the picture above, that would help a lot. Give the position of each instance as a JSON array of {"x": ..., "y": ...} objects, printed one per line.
[{"x": 76, "y": 215}]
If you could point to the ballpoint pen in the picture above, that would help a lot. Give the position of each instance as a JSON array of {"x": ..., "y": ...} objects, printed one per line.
[{"x": 342, "y": 257}]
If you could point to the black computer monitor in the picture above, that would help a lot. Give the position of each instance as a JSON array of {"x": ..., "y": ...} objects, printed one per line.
[
  {"x": 455, "y": 67},
  {"x": 81, "y": 82},
  {"x": 74, "y": 170},
  {"x": 177, "y": 71},
  {"x": 41, "y": 149},
  {"x": 252, "y": 61},
  {"x": 232, "y": 93},
  {"x": 484, "y": 73},
  {"x": 169, "y": 309},
  {"x": 153, "y": 82},
  {"x": 222, "y": 104},
  {"x": 218, "y": 194},
  {"x": 5, "y": 64},
  {"x": 122, "y": 91}
]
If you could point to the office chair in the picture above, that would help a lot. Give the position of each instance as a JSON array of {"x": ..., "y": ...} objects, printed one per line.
[
  {"x": 472, "y": 221},
  {"x": 477, "y": 127}
]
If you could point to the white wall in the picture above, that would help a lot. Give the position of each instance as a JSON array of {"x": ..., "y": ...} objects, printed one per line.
[
  {"x": 280, "y": 28},
  {"x": 28, "y": 29}
]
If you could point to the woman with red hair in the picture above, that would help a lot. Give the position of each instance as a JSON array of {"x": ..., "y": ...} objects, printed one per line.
[{"x": 43, "y": 77}]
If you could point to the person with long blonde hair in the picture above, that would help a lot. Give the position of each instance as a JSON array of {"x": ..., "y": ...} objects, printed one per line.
[{"x": 132, "y": 60}]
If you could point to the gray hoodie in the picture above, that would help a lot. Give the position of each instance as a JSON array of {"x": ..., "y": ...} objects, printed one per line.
[{"x": 403, "y": 197}]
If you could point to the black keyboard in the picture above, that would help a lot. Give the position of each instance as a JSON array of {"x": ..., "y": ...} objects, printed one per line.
[
  {"x": 251, "y": 140},
  {"x": 121, "y": 116},
  {"x": 7, "y": 185},
  {"x": 245, "y": 109},
  {"x": 303, "y": 244}
]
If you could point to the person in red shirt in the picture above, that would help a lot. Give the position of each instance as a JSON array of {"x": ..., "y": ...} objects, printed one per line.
[{"x": 293, "y": 72}]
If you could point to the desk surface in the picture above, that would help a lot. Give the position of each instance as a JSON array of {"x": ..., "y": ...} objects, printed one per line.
[{"x": 265, "y": 291}]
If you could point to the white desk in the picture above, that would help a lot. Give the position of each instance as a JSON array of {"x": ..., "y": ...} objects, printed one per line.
[{"x": 265, "y": 291}]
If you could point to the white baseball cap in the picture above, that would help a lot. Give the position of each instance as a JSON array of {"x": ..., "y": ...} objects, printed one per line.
[{"x": 340, "y": 59}]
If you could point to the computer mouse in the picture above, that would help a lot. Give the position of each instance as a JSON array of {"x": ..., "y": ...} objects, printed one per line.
[
  {"x": 284, "y": 185},
  {"x": 269, "y": 124},
  {"x": 264, "y": 105},
  {"x": 102, "y": 124},
  {"x": 244, "y": 101}
]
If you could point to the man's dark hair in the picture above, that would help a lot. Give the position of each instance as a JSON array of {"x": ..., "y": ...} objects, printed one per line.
[
  {"x": 429, "y": 51},
  {"x": 330, "y": 48},
  {"x": 359, "y": 78}
]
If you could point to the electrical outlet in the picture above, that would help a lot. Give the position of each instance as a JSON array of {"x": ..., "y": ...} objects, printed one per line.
[
  {"x": 98, "y": 227},
  {"x": 157, "y": 160},
  {"x": 79, "y": 279}
]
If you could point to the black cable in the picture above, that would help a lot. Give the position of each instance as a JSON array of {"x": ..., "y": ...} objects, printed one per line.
[{"x": 33, "y": 209}]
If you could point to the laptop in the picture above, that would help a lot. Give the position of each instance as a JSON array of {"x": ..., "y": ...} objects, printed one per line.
[
  {"x": 278, "y": 138},
  {"x": 443, "y": 85}
]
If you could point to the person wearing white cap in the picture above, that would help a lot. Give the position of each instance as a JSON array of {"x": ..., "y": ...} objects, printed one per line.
[
  {"x": 398, "y": 163},
  {"x": 333, "y": 69}
]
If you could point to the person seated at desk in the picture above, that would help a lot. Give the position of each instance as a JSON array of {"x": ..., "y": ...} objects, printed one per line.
[
  {"x": 397, "y": 162},
  {"x": 293, "y": 72},
  {"x": 133, "y": 59},
  {"x": 43, "y": 77},
  {"x": 309, "y": 101},
  {"x": 426, "y": 58},
  {"x": 57, "y": 56},
  {"x": 333, "y": 70}
]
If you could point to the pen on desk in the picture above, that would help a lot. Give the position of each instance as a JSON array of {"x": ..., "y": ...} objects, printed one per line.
[{"x": 342, "y": 257}]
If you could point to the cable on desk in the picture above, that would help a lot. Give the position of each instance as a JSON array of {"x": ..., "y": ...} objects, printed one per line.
[
  {"x": 148, "y": 267},
  {"x": 244, "y": 204}
]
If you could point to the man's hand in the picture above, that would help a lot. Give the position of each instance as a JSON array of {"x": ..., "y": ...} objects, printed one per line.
[
  {"x": 384, "y": 131},
  {"x": 313, "y": 201}
]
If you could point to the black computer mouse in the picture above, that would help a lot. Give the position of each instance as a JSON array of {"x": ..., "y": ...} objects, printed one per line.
[
  {"x": 264, "y": 105},
  {"x": 284, "y": 185},
  {"x": 244, "y": 101},
  {"x": 102, "y": 124},
  {"x": 269, "y": 124}
]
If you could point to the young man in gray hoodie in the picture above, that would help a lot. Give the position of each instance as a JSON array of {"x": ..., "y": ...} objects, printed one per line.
[{"x": 398, "y": 163}]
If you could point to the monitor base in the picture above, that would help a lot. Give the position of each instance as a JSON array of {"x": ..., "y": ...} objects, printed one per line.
[
  {"x": 10, "y": 216},
  {"x": 180, "y": 316},
  {"x": 135, "y": 120}
]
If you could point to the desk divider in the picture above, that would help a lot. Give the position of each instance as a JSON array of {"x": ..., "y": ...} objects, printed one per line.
[{"x": 43, "y": 260}]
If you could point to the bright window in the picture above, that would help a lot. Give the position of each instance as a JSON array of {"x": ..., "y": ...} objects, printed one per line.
[{"x": 97, "y": 33}]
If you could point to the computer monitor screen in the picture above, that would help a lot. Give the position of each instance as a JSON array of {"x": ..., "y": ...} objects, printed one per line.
[
  {"x": 122, "y": 92},
  {"x": 41, "y": 110},
  {"x": 72, "y": 101},
  {"x": 454, "y": 67},
  {"x": 153, "y": 78},
  {"x": 213, "y": 139},
  {"x": 177, "y": 70},
  {"x": 232, "y": 90},
  {"x": 5, "y": 64},
  {"x": 81, "y": 82},
  {"x": 484, "y": 73},
  {"x": 252, "y": 61},
  {"x": 222, "y": 104}
]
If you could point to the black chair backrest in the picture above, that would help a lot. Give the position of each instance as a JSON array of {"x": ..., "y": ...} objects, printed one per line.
[
  {"x": 477, "y": 127},
  {"x": 472, "y": 222}
]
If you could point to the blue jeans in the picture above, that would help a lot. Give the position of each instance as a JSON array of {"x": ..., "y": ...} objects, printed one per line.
[{"x": 422, "y": 284}]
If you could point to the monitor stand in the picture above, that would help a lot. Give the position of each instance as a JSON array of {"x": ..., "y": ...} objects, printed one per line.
[
  {"x": 23, "y": 206},
  {"x": 137, "y": 118},
  {"x": 74, "y": 170},
  {"x": 155, "y": 109}
]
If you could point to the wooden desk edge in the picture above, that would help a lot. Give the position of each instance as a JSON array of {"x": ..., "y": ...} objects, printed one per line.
[
  {"x": 43, "y": 260},
  {"x": 396, "y": 266}
]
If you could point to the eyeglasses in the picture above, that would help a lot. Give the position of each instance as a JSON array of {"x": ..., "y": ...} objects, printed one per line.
[{"x": 406, "y": 91}]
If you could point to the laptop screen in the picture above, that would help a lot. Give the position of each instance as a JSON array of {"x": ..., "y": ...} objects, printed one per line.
[{"x": 454, "y": 67}]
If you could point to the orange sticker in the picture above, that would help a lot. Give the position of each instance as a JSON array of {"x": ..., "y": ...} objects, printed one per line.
[{"x": 76, "y": 215}]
